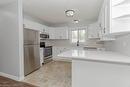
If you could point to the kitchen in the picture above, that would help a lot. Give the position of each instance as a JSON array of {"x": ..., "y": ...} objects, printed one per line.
[{"x": 87, "y": 40}]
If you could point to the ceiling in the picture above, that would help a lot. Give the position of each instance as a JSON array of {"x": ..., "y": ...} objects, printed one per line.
[
  {"x": 53, "y": 11},
  {"x": 2, "y": 2}
]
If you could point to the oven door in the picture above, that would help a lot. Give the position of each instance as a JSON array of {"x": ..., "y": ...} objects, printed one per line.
[{"x": 48, "y": 52}]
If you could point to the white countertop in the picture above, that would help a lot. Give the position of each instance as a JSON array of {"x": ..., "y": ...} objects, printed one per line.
[{"x": 97, "y": 56}]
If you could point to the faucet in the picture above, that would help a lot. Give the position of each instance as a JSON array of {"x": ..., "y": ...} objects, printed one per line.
[{"x": 78, "y": 43}]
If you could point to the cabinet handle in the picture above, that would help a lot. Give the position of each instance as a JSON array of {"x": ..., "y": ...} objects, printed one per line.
[{"x": 104, "y": 31}]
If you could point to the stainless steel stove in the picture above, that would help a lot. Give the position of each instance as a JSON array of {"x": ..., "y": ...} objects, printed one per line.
[{"x": 47, "y": 52}]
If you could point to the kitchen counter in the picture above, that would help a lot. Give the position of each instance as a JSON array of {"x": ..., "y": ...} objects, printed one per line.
[
  {"x": 98, "y": 68},
  {"x": 96, "y": 56}
]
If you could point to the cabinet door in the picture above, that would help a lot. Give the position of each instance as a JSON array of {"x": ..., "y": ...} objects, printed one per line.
[
  {"x": 93, "y": 30},
  {"x": 61, "y": 33},
  {"x": 120, "y": 18},
  {"x": 56, "y": 51},
  {"x": 58, "y": 33},
  {"x": 52, "y": 33},
  {"x": 103, "y": 21},
  {"x": 107, "y": 17},
  {"x": 46, "y": 30},
  {"x": 104, "y": 18},
  {"x": 41, "y": 56},
  {"x": 65, "y": 34}
]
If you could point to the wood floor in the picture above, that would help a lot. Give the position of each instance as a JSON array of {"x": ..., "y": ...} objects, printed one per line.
[
  {"x": 6, "y": 82},
  {"x": 53, "y": 74}
]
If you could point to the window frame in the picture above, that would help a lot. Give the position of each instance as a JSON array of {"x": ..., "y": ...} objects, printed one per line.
[{"x": 78, "y": 29}]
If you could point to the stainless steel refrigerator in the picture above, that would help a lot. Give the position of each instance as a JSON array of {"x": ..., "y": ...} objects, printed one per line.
[{"x": 31, "y": 51}]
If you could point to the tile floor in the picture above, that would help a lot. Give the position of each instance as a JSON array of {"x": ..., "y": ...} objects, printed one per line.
[{"x": 53, "y": 74}]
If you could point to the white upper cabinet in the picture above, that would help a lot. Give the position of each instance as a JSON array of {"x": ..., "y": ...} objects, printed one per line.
[
  {"x": 33, "y": 25},
  {"x": 104, "y": 22},
  {"x": 120, "y": 10},
  {"x": 93, "y": 31},
  {"x": 104, "y": 18},
  {"x": 61, "y": 33},
  {"x": 114, "y": 17},
  {"x": 52, "y": 33},
  {"x": 58, "y": 33},
  {"x": 46, "y": 30},
  {"x": 120, "y": 18}
]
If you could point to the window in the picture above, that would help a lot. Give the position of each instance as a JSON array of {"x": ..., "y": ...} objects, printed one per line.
[
  {"x": 74, "y": 36},
  {"x": 82, "y": 35},
  {"x": 78, "y": 35}
]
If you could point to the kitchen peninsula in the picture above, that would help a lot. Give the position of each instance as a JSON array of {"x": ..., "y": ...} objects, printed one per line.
[{"x": 98, "y": 68}]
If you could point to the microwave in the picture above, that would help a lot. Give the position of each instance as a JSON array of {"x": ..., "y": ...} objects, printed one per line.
[{"x": 44, "y": 36}]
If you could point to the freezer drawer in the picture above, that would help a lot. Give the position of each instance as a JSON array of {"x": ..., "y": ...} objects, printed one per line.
[{"x": 31, "y": 58}]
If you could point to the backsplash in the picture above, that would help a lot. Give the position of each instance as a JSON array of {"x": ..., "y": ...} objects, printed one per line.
[
  {"x": 67, "y": 43},
  {"x": 121, "y": 45}
]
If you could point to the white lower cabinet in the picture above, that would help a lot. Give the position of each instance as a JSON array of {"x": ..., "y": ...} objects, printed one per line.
[
  {"x": 96, "y": 74},
  {"x": 58, "y": 50},
  {"x": 41, "y": 56}
]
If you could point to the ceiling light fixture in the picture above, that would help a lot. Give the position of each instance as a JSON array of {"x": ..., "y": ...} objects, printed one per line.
[
  {"x": 76, "y": 21},
  {"x": 69, "y": 13}
]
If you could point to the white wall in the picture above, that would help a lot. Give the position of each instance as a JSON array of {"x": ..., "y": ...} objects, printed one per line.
[
  {"x": 121, "y": 45},
  {"x": 31, "y": 18},
  {"x": 11, "y": 40}
]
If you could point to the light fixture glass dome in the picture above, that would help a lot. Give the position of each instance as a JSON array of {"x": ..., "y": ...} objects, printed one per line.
[{"x": 69, "y": 13}]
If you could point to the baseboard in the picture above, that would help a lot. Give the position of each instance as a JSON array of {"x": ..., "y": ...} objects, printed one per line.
[
  {"x": 11, "y": 76},
  {"x": 21, "y": 78}
]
